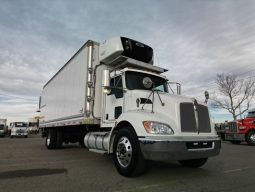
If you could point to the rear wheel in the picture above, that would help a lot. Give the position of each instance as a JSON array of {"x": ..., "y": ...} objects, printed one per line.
[
  {"x": 236, "y": 142},
  {"x": 194, "y": 163},
  {"x": 127, "y": 155},
  {"x": 250, "y": 138},
  {"x": 51, "y": 139}
]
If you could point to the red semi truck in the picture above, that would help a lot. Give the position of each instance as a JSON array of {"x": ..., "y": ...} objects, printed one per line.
[{"x": 242, "y": 130}]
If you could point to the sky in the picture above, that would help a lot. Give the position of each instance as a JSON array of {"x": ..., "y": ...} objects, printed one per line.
[{"x": 194, "y": 39}]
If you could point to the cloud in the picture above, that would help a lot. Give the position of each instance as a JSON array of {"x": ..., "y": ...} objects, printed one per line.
[{"x": 194, "y": 39}]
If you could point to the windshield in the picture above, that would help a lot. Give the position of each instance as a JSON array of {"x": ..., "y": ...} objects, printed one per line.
[
  {"x": 1, "y": 127},
  {"x": 20, "y": 124},
  {"x": 32, "y": 124},
  {"x": 251, "y": 114},
  {"x": 134, "y": 80}
]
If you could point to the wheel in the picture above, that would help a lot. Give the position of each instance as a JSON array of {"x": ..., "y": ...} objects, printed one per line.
[
  {"x": 25, "y": 136},
  {"x": 127, "y": 154},
  {"x": 59, "y": 139},
  {"x": 194, "y": 163},
  {"x": 11, "y": 136},
  {"x": 82, "y": 144},
  {"x": 250, "y": 138},
  {"x": 51, "y": 139},
  {"x": 236, "y": 142}
]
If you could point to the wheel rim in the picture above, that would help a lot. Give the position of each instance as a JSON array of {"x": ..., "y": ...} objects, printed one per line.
[
  {"x": 48, "y": 140},
  {"x": 124, "y": 151},
  {"x": 252, "y": 137}
]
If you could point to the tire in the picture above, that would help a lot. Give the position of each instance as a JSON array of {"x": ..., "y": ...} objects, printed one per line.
[
  {"x": 236, "y": 142},
  {"x": 250, "y": 138},
  {"x": 51, "y": 139},
  {"x": 222, "y": 137},
  {"x": 11, "y": 136},
  {"x": 26, "y": 136},
  {"x": 127, "y": 155},
  {"x": 82, "y": 144},
  {"x": 194, "y": 163},
  {"x": 59, "y": 139}
]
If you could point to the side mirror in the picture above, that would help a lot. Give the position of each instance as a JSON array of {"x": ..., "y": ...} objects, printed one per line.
[{"x": 106, "y": 81}]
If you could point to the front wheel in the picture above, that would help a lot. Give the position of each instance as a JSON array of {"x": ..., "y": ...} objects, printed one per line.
[
  {"x": 127, "y": 155},
  {"x": 250, "y": 138},
  {"x": 194, "y": 163}
]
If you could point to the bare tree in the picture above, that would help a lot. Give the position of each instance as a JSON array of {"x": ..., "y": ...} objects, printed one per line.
[{"x": 235, "y": 94}]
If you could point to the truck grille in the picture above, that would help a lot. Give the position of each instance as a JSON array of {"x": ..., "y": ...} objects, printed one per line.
[
  {"x": 232, "y": 127},
  {"x": 203, "y": 119},
  {"x": 20, "y": 131},
  {"x": 188, "y": 119}
]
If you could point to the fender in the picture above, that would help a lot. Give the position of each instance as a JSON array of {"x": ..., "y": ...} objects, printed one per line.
[{"x": 135, "y": 118}]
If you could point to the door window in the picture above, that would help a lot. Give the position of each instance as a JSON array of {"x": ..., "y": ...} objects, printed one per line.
[{"x": 116, "y": 87}]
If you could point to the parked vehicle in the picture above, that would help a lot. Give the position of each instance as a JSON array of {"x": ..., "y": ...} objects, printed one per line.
[
  {"x": 242, "y": 130},
  {"x": 111, "y": 98},
  {"x": 221, "y": 129},
  {"x": 2, "y": 134},
  {"x": 33, "y": 126},
  {"x": 18, "y": 129},
  {"x": 3, "y": 127}
]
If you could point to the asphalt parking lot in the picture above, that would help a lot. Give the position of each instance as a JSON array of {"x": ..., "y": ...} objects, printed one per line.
[{"x": 26, "y": 165}]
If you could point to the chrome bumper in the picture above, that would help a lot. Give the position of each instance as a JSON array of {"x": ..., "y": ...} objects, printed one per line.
[{"x": 166, "y": 150}]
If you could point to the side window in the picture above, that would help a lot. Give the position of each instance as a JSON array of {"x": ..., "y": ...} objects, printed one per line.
[{"x": 116, "y": 87}]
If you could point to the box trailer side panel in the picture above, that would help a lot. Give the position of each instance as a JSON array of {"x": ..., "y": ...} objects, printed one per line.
[{"x": 63, "y": 97}]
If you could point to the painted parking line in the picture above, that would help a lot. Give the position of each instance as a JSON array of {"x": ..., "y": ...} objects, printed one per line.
[{"x": 237, "y": 170}]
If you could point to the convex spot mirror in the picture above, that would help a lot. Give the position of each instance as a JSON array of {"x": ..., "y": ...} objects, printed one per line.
[{"x": 147, "y": 82}]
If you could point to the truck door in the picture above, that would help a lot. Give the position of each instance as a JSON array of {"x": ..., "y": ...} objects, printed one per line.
[{"x": 114, "y": 100}]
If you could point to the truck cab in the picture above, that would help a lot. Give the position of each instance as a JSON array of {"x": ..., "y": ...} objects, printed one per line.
[
  {"x": 18, "y": 129},
  {"x": 242, "y": 129},
  {"x": 168, "y": 126}
]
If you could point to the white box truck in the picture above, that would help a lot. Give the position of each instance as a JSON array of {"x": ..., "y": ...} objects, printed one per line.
[
  {"x": 18, "y": 129},
  {"x": 3, "y": 127},
  {"x": 32, "y": 126},
  {"x": 111, "y": 98}
]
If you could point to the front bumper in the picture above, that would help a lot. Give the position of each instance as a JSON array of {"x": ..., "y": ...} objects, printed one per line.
[
  {"x": 1, "y": 133},
  {"x": 167, "y": 150},
  {"x": 19, "y": 134},
  {"x": 234, "y": 137}
]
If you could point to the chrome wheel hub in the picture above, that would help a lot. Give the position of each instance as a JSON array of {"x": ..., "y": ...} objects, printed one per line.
[
  {"x": 124, "y": 151},
  {"x": 48, "y": 141},
  {"x": 252, "y": 137}
]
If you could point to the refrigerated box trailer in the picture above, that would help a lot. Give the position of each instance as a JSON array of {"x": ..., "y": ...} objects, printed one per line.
[{"x": 111, "y": 98}]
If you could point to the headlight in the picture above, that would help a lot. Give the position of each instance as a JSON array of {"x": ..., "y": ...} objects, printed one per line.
[
  {"x": 242, "y": 127},
  {"x": 153, "y": 127}
]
